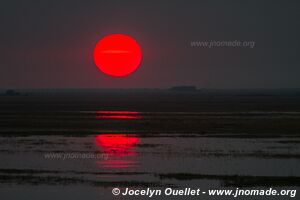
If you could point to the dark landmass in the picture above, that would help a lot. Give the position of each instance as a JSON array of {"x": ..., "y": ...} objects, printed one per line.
[{"x": 234, "y": 114}]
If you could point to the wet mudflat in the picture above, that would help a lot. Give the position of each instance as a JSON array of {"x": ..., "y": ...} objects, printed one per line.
[{"x": 50, "y": 148}]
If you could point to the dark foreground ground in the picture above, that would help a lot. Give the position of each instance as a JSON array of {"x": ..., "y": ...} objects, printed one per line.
[
  {"x": 182, "y": 112},
  {"x": 149, "y": 139}
]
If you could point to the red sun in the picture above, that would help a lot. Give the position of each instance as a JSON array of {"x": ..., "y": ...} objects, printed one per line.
[{"x": 117, "y": 55}]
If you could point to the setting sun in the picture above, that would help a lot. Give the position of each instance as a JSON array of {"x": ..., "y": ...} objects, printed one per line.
[{"x": 117, "y": 55}]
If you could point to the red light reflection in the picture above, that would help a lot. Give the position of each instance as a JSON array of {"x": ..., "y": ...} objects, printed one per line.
[
  {"x": 110, "y": 112},
  {"x": 117, "y": 114},
  {"x": 119, "y": 149},
  {"x": 117, "y": 117}
]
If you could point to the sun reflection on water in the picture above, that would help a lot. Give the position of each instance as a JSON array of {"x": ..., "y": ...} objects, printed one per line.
[{"x": 119, "y": 148}]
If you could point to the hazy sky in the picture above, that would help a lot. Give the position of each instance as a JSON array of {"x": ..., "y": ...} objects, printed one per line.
[{"x": 49, "y": 44}]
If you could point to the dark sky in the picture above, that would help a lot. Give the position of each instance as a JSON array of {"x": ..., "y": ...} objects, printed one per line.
[{"x": 49, "y": 44}]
